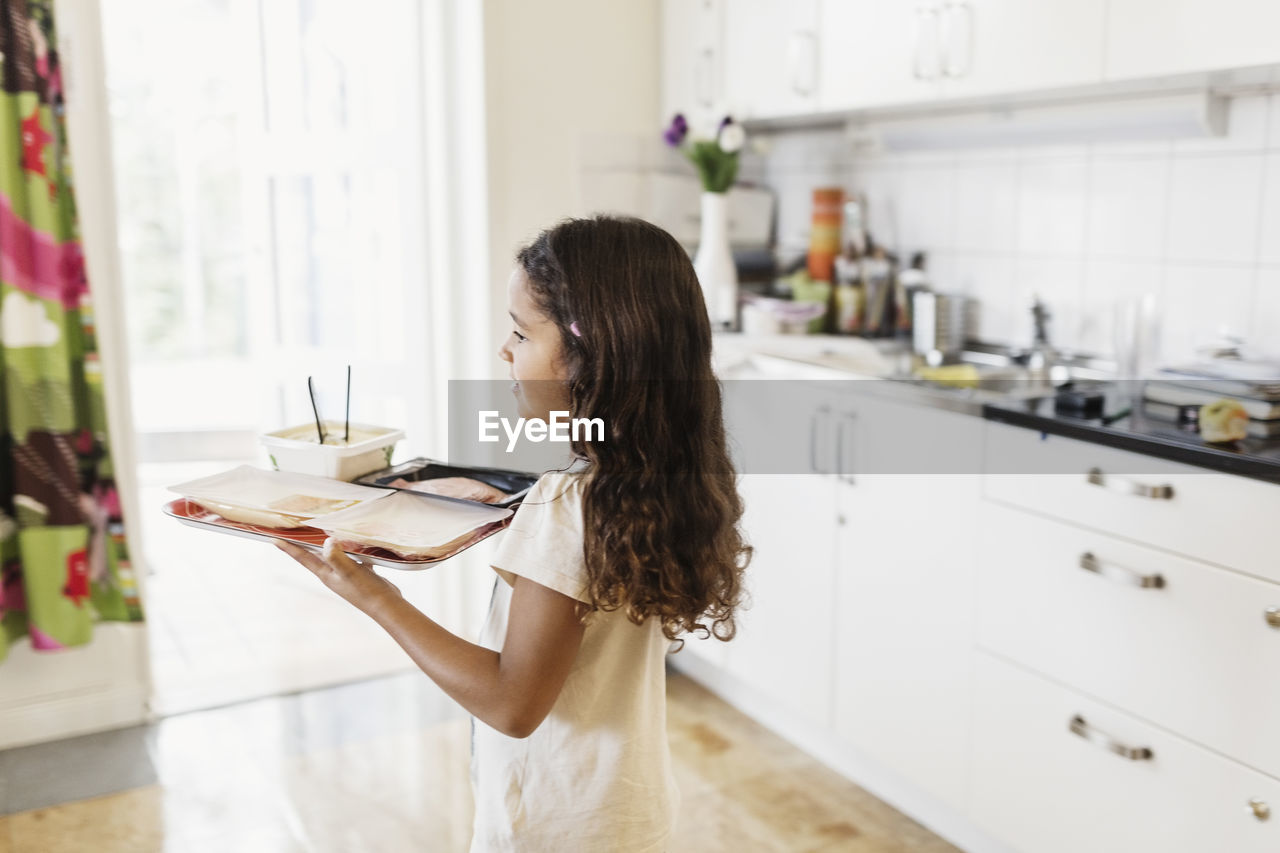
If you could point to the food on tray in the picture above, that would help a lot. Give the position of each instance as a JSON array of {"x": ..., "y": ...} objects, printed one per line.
[
  {"x": 311, "y": 505},
  {"x": 410, "y": 525},
  {"x": 1224, "y": 420},
  {"x": 454, "y": 487},
  {"x": 274, "y": 498},
  {"x": 371, "y": 539},
  {"x": 247, "y": 515}
]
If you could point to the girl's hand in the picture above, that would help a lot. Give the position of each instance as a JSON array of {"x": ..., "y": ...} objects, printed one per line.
[{"x": 356, "y": 582}]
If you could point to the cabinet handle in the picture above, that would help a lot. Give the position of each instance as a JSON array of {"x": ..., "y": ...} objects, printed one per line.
[
  {"x": 822, "y": 412},
  {"x": 1104, "y": 740},
  {"x": 803, "y": 54},
  {"x": 951, "y": 67},
  {"x": 1260, "y": 809},
  {"x": 927, "y": 15},
  {"x": 1272, "y": 616},
  {"x": 1130, "y": 487},
  {"x": 842, "y": 471},
  {"x": 1090, "y": 563}
]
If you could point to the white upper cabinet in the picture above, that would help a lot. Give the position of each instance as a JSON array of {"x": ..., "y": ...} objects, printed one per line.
[
  {"x": 693, "y": 61},
  {"x": 1003, "y": 46},
  {"x": 771, "y": 57},
  {"x": 1152, "y": 37},
  {"x": 766, "y": 59},
  {"x": 879, "y": 52}
]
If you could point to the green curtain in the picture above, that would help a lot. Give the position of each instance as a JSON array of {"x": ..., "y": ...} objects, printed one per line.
[{"x": 62, "y": 538}]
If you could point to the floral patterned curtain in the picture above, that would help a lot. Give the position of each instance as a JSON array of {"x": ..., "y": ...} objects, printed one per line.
[{"x": 63, "y": 551}]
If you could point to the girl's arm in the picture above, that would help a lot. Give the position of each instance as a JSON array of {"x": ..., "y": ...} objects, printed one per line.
[{"x": 512, "y": 690}]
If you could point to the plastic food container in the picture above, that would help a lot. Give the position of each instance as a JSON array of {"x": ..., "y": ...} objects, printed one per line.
[
  {"x": 298, "y": 449},
  {"x": 515, "y": 484}
]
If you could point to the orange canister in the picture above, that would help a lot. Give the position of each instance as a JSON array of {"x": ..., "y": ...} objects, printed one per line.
[{"x": 824, "y": 238}]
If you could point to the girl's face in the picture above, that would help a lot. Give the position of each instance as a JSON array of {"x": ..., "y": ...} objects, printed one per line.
[{"x": 534, "y": 352}]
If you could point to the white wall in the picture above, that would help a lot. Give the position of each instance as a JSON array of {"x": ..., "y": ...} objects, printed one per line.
[
  {"x": 1195, "y": 221},
  {"x": 559, "y": 76}
]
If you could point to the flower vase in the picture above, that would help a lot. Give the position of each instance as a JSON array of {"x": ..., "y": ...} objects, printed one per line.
[{"x": 714, "y": 262}]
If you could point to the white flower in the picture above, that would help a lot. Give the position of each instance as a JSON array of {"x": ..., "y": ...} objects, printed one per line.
[{"x": 732, "y": 138}]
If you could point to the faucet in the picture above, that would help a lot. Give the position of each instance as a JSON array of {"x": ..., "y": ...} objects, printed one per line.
[
  {"x": 1041, "y": 358},
  {"x": 1041, "y": 353}
]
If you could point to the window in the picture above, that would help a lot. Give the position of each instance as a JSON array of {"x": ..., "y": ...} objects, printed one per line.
[{"x": 269, "y": 189}]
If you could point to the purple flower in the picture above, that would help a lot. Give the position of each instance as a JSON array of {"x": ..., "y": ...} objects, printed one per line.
[
  {"x": 676, "y": 132},
  {"x": 724, "y": 122}
]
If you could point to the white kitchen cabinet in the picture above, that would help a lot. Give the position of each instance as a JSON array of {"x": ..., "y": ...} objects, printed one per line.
[
  {"x": 1181, "y": 643},
  {"x": 1159, "y": 37},
  {"x": 783, "y": 436},
  {"x": 994, "y": 47},
  {"x": 1218, "y": 518},
  {"x": 879, "y": 52},
  {"x": 905, "y": 570},
  {"x": 1055, "y": 771},
  {"x": 784, "y": 645},
  {"x": 771, "y": 62},
  {"x": 693, "y": 65}
]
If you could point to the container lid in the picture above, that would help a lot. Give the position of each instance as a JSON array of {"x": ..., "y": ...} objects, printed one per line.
[
  {"x": 364, "y": 438},
  {"x": 299, "y": 495},
  {"x": 411, "y": 520}
]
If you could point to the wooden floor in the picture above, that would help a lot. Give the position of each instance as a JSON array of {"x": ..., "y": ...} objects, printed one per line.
[{"x": 743, "y": 789}]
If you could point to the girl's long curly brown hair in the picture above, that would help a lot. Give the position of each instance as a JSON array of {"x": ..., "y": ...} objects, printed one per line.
[{"x": 661, "y": 507}]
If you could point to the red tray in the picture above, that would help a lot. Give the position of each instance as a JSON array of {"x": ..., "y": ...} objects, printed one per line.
[{"x": 194, "y": 515}]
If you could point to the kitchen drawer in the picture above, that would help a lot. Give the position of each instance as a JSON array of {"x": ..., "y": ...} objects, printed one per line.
[
  {"x": 1195, "y": 654},
  {"x": 1043, "y": 788},
  {"x": 1219, "y": 518}
]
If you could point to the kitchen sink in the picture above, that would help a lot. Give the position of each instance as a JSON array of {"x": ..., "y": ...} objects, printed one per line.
[{"x": 997, "y": 374}]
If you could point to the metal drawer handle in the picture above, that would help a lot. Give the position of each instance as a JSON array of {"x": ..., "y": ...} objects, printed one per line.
[
  {"x": 1124, "y": 574},
  {"x": 1273, "y": 617},
  {"x": 844, "y": 469},
  {"x": 1130, "y": 487},
  {"x": 1104, "y": 740},
  {"x": 1260, "y": 809}
]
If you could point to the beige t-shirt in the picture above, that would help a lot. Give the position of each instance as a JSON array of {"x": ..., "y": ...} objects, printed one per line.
[{"x": 596, "y": 774}]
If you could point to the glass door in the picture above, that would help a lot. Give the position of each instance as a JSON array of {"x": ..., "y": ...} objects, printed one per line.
[{"x": 270, "y": 205}]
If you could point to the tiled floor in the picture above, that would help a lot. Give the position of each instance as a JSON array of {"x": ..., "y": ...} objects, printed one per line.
[{"x": 382, "y": 766}]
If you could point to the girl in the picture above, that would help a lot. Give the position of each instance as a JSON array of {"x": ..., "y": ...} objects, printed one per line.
[{"x": 604, "y": 564}]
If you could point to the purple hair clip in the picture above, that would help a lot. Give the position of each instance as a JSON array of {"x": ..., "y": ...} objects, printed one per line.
[{"x": 573, "y": 327}]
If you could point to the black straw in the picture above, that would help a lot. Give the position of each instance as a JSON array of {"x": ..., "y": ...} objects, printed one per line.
[
  {"x": 346, "y": 434},
  {"x": 314, "y": 409}
]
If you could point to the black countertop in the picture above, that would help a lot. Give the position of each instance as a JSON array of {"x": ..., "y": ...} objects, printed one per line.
[{"x": 1258, "y": 458}]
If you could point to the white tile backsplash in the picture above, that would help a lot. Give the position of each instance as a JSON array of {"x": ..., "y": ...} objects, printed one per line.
[
  {"x": 1202, "y": 302},
  {"x": 990, "y": 280},
  {"x": 1107, "y": 283},
  {"x": 1265, "y": 332},
  {"x": 1128, "y": 203},
  {"x": 1059, "y": 284},
  {"x": 925, "y": 211},
  {"x": 1051, "y": 206},
  {"x": 986, "y": 207},
  {"x": 1269, "y": 233},
  {"x": 1214, "y": 208},
  {"x": 1197, "y": 221}
]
